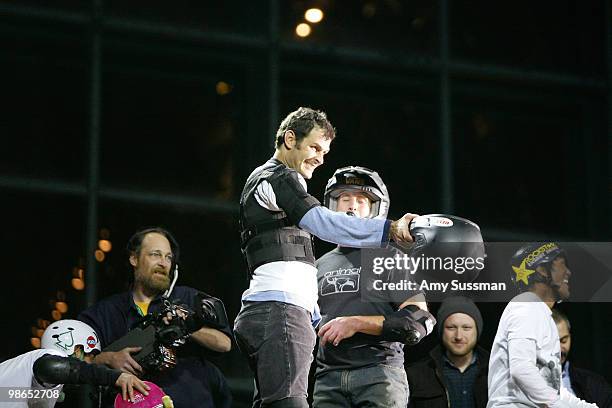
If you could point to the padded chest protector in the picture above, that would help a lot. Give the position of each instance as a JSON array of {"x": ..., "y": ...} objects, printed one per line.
[{"x": 269, "y": 236}]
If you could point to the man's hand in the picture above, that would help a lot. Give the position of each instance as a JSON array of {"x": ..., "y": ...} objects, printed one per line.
[
  {"x": 399, "y": 231},
  {"x": 337, "y": 330},
  {"x": 168, "y": 317},
  {"x": 127, "y": 383},
  {"x": 121, "y": 360}
]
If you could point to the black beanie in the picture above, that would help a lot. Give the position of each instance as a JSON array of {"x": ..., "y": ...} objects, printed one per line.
[{"x": 458, "y": 304}]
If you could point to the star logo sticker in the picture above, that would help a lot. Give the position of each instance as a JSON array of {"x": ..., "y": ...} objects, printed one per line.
[{"x": 522, "y": 273}]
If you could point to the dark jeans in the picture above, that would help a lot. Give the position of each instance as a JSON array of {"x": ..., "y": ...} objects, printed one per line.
[
  {"x": 278, "y": 340},
  {"x": 380, "y": 386}
]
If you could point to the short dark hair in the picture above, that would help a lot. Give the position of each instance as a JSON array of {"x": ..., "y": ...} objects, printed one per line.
[
  {"x": 558, "y": 316},
  {"x": 301, "y": 122},
  {"x": 134, "y": 244}
]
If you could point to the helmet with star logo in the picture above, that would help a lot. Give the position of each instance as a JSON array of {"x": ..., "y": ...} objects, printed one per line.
[
  {"x": 526, "y": 260},
  {"x": 65, "y": 335}
]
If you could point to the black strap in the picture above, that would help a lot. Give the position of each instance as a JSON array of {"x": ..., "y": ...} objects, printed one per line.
[
  {"x": 256, "y": 229},
  {"x": 285, "y": 245}
]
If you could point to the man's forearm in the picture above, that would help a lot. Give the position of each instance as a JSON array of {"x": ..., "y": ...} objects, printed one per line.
[
  {"x": 341, "y": 229},
  {"x": 103, "y": 358},
  {"x": 212, "y": 339},
  {"x": 373, "y": 324},
  {"x": 417, "y": 300},
  {"x": 368, "y": 324},
  {"x": 525, "y": 373}
]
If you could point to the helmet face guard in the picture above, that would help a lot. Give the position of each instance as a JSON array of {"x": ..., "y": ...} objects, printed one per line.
[
  {"x": 447, "y": 236},
  {"x": 65, "y": 335},
  {"x": 357, "y": 179}
]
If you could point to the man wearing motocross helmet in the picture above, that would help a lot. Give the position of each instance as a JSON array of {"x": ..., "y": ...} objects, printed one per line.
[
  {"x": 353, "y": 342},
  {"x": 525, "y": 367},
  {"x": 67, "y": 348}
]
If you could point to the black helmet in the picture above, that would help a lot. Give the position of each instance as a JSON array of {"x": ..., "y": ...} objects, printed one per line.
[
  {"x": 525, "y": 261},
  {"x": 448, "y": 236},
  {"x": 358, "y": 179}
]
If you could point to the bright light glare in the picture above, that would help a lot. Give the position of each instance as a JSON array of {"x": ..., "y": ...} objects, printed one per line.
[
  {"x": 78, "y": 284},
  {"x": 105, "y": 245},
  {"x": 99, "y": 255},
  {"x": 313, "y": 15},
  {"x": 223, "y": 88},
  {"x": 62, "y": 307},
  {"x": 303, "y": 30}
]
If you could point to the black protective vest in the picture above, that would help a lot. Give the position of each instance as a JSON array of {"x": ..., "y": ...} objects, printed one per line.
[{"x": 268, "y": 236}]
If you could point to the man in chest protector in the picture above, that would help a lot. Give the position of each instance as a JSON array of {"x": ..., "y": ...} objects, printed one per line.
[{"x": 274, "y": 328}]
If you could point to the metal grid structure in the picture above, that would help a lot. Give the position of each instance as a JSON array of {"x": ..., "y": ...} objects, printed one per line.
[{"x": 265, "y": 54}]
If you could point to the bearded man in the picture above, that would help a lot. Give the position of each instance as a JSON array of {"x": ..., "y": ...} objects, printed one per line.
[{"x": 194, "y": 381}]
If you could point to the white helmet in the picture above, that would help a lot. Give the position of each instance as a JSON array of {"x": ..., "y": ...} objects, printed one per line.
[{"x": 65, "y": 335}]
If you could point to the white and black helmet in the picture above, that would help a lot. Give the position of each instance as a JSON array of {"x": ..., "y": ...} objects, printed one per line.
[
  {"x": 65, "y": 335},
  {"x": 362, "y": 180}
]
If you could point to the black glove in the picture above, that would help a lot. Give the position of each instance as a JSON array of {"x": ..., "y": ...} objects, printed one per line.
[
  {"x": 408, "y": 325},
  {"x": 205, "y": 314}
]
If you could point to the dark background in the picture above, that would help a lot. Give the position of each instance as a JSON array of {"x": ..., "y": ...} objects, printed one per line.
[{"x": 496, "y": 111}]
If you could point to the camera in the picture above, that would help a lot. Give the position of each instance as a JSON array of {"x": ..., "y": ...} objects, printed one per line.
[{"x": 158, "y": 336}]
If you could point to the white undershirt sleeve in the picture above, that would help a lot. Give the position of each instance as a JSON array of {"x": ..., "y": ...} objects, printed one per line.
[{"x": 524, "y": 372}]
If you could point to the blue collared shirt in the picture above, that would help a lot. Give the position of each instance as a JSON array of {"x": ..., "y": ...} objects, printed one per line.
[
  {"x": 565, "y": 378},
  {"x": 460, "y": 385}
]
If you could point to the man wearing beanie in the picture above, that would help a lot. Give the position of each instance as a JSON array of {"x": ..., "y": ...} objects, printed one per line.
[{"x": 455, "y": 372}]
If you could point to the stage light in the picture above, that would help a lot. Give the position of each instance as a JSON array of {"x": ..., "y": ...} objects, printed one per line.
[
  {"x": 303, "y": 30},
  {"x": 223, "y": 88},
  {"x": 62, "y": 307},
  {"x": 313, "y": 15},
  {"x": 105, "y": 245},
  {"x": 99, "y": 255},
  {"x": 78, "y": 284}
]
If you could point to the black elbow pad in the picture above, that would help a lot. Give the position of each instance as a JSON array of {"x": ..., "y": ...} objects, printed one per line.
[
  {"x": 408, "y": 325},
  {"x": 52, "y": 369}
]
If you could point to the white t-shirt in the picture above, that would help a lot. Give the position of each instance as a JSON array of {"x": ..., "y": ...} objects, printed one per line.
[
  {"x": 18, "y": 372},
  {"x": 525, "y": 323}
]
